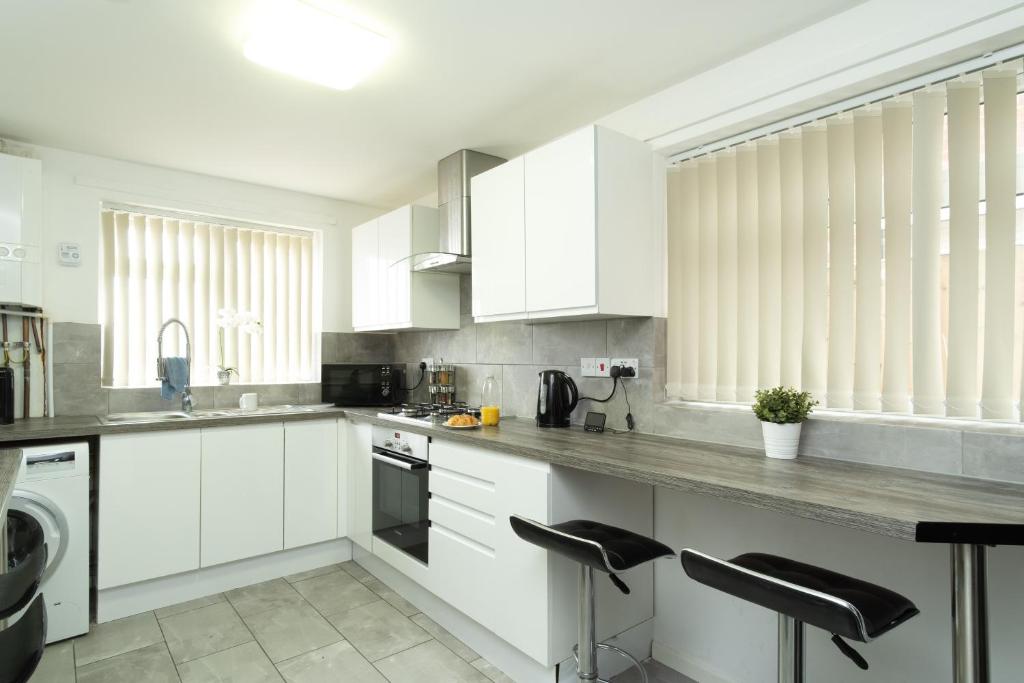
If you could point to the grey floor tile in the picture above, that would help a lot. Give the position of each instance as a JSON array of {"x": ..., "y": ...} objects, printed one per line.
[
  {"x": 430, "y": 662},
  {"x": 312, "y": 573},
  {"x": 445, "y": 638},
  {"x": 338, "y": 662},
  {"x": 117, "y": 637},
  {"x": 243, "y": 664},
  {"x": 656, "y": 673},
  {"x": 57, "y": 665},
  {"x": 491, "y": 671},
  {"x": 151, "y": 664},
  {"x": 378, "y": 630},
  {"x": 188, "y": 606},
  {"x": 357, "y": 571},
  {"x": 263, "y": 596},
  {"x": 392, "y": 598},
  {"x": 335, "y": 593},
  {"x": 204, "y": 631},
  {"x": 290, "y": 631}
]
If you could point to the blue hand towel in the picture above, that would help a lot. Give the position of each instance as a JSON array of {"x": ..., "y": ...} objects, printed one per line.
[{"x": 175, "y": 377}]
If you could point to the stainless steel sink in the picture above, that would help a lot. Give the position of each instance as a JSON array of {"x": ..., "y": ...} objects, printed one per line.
[
  {"x": 155, "y": 416},
  {"x": 174, "y": 415}
]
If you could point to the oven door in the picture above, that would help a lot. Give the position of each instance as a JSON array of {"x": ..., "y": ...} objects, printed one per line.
[{"x": 400, "y": 502}]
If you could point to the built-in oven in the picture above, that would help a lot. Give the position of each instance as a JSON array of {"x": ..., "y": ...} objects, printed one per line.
[{"x": 401, "y": 472}]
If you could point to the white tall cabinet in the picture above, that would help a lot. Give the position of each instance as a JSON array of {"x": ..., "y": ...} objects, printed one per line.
[
  {"x": 358, "y": 447},
  {"x": 570, "y": 230},
  {"x": 386, "y": 294}
]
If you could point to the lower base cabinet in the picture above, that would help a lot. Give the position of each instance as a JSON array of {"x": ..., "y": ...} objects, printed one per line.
[
  {"x": 522, "y": 593},
  {"x": 243, "y": 492},
  {"x": 358, "y": 446},
  {"x": 310, "y": 483},
  {"x": 148, "y": 506}
]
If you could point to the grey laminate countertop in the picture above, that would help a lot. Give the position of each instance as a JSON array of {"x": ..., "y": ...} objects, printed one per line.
[
  {"x": 883, "y": 500},
  {"x": 72, "y": 427},
  {"x": 10, "y": 463}
]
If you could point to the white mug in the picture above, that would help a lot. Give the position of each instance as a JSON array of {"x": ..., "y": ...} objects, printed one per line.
[{"x": 248, "y": 401}]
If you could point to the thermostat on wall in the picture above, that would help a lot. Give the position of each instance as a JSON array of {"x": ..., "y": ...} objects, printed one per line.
[{"x": 69, "y": 254}]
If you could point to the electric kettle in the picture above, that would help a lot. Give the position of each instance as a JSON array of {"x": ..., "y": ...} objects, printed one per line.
[{"x": 557, "y": 397}]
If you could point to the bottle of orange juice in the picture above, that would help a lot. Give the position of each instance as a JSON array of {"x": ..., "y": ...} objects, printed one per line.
[{"x": 490, "y": 402}]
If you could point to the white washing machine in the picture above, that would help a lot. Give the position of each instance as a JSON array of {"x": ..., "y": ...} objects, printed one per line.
[{"x": 53, "y": 487}]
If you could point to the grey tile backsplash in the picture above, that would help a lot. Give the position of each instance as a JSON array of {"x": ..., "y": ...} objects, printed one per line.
[{"x": 515, "y": 352}]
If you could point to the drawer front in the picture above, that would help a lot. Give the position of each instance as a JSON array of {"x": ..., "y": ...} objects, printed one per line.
[
  {"x": 472, "y": 492},
  {"x": 473, "y": 524}
]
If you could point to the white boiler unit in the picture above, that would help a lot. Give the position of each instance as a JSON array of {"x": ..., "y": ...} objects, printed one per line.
[{"x": 21, "y": 222}]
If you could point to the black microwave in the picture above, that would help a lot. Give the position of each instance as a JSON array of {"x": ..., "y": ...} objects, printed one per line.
[{"x": 361, "y": 384}]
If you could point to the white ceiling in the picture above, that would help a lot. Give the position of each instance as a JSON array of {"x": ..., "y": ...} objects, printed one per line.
[{"x": 164, "y": 82}]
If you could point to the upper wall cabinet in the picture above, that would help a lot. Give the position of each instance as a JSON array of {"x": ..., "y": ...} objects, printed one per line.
[
  {"x": 569, "y": 230},
  {"x": 386, "y": 294}
]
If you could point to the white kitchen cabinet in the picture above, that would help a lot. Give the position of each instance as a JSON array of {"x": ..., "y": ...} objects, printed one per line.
[
  {"x": 341, "y": 504},
  {"x": 148, "y": 506},
  {"x": 386, "y": 294},
  {"x": 242, "y": 492},
  {"x": 473, "y": 492},
  {"x": 499, "y": 242},
  {"x": 365, "y": 274},
  {"x": 358, "y": 447},
  {"x": 592, "y": 230},
  {"x": 310, "y": 482}
]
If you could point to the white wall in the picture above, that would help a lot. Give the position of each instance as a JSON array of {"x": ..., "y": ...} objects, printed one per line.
[
  {"x": 874, "y": 44},
  {"x": 715, "y": 638},
  {"x": 74, "y": 186}
]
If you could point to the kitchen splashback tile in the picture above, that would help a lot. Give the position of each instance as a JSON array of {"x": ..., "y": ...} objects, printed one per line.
[
  {"x": 519, "y": 389},
  {"x": 469, "y": 381},
  {"x": 77, "y": 390},
  {"x": 76, "y": 343},
  {"x": 358, "y": 347},
  {"x": 994, "y": 456},
  {"x": 633, "y": 338},
  {"x": 557, "y": 344},
  {"x": 130, "y": 400},
  {"x": 268, "y": 394},
  {"x": 507, "y": 343}
]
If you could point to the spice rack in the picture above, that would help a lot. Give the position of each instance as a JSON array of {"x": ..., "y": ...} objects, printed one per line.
[{"x": 441, "y": 383}]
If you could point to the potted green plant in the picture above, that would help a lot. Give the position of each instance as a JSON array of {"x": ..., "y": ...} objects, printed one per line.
[{"x": 782, "y": 411}]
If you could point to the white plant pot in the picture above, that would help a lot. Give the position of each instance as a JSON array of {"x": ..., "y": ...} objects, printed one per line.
[{"x": 781, "y": 440}]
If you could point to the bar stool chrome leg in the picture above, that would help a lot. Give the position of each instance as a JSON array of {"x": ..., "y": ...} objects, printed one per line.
[
  {"x": 587, "y": 642},
  {"x": 970, "y": 613},
  {"x": 791, "y": 650}
]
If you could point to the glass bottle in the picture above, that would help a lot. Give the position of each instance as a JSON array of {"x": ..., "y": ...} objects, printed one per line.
[{"x": 490, "y": 402}]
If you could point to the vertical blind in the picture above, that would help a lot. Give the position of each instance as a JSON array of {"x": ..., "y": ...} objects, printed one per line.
[
  {"x": 156, "y": 267},
  {"x": 873, "y": 258}
]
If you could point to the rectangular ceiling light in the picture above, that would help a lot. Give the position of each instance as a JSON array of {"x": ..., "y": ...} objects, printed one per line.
[{"x": 307, "y": 42}]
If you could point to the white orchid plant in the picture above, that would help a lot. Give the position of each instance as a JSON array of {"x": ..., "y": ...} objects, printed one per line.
[{"x": 243, "y": 321}]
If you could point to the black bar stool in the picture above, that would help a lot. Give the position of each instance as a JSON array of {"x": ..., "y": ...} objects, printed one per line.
[
  {"x": 804, "y": 594},
  {"x": 593, "y": 546},
  {"x": 22, "y": 643}
]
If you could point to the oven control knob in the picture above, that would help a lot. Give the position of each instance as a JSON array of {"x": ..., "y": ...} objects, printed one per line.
[
  {"x": 388, "y": 444},
  {"x": 406, "y": 448}
]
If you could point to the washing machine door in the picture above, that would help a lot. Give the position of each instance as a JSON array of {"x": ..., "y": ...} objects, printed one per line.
[{"x": 53, "y": 521}]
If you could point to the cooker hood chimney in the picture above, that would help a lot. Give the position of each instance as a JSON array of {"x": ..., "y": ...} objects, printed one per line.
[{"x": 453, "y": 174}]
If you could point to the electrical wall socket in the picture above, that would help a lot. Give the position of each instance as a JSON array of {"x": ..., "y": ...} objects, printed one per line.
[
  {"x": 594, "y": 367},
  {"x": 628, "y": 363},
  {"x": 428, "y": 361}
]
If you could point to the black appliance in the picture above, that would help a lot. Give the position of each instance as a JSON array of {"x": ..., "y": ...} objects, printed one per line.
[
  {"x": 6, "y": 395},
  {"x": 348, "y": 384},
  {"x": 400, "y": 490},
  {"x": 557, "y": 397}
]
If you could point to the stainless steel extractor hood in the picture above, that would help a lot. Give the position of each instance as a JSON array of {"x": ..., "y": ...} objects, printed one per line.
[{"x": 453, "y": 201}]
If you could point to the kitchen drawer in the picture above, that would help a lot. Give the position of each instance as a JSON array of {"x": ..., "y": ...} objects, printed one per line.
[
  {"x": 473, "y": 524},
  {"x": 463, "y": 575},
  {"x": 469, "y": 491}
]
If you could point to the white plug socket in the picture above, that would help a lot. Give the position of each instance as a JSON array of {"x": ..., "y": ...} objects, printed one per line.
[{"x": 628, "y": 363}]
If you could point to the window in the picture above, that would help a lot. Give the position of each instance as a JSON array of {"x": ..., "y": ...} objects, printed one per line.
[
  {"x": 157, "y": 266},
  {"x": 875, "y": 258}
]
